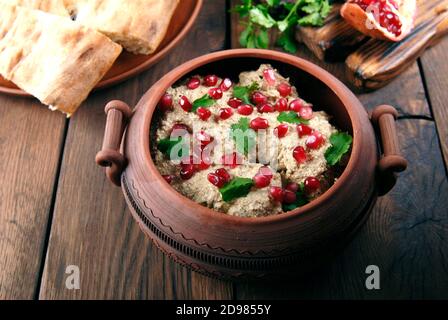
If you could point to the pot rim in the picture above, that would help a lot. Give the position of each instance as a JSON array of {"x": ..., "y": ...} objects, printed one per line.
[{"x": 349, "y": 100}]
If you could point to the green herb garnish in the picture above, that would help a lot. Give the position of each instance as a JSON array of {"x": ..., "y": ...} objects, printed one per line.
[
  {"x": 243, "y": 93},
  {"x": 283, "y": 15},
  {"x": 245, "y": 138},
  {"x": 236, "y": 188},
  {"x": 167, "y": 145},
  {"x": 340, "y": 145},
  {"x": 205, "y": 102},
  {"x": 291, "y": 117}
]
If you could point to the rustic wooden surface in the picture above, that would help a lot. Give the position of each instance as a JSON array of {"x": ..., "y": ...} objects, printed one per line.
[{"x": 57, "y": 209}]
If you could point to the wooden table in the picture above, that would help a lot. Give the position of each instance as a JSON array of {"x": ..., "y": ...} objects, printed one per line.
[{"x": 57, "y": 209}]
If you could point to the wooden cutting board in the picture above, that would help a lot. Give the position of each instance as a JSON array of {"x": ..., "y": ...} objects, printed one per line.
[{"x": 371, "y": 64}]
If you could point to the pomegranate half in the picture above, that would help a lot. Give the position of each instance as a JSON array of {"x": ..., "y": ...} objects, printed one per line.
[{"x": 389, "y": 20}]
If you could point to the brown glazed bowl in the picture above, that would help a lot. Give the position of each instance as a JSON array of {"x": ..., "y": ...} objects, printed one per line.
[{"x": 233, "y": 247}]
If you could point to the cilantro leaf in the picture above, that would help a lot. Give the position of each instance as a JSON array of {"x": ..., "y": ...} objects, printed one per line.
[
  {"x": 205, "y": 102},
  {"x": 261, "y": 17},
  {"x": 340, "y": 145},
  {"x": 291, "y": 117},
  {"x": 245, "y": 138},
  {"x": 236, "y": 188},
  {"x": 167, "y": 145},
  {"x": 243, "y": 93}
]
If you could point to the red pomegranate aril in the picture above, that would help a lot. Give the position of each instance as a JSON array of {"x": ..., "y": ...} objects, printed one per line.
[
  {"x": 234, "y": 103},
  {"x": 204, "y": 138},
  {"x": 225, "y": 85},
  {"x": 303, "y": 130},
  {"x": 289, "y": 197},
  {"x": 269, "y": 76},
  {"x": 266, "y": 171},
  {"x": 259, "y": 123},
  {"x": 224, "y": 174},
  {"x": 306, "y": 113},
  {"x": 258, "y": 98},
  {"x": 245, "y": 109},
  {"x": 210, "y": 80},
  {"x": 292, "y": 186},
  {"x": 203, "y": 113},
  {"x": 266, "y": 108},
  {"x": 231, "y": 160},
  {"x": 168, "y": 178},
  {"x": 315, "y": 140},
  {"x": 284, "y": 89},
  {"x": 281, "y": 105},
  {"x": 193, "y": 83},
  {"x": 296, "y": 105},
  {"x": 187, "y": 171},
  {"x": 204, "y": 163},
  {"x": 215, "y": 93},
  {"x": 216, "y": 180},
  {"x": 281, "y": 130},
  {"x": 276, "y": 193},
  {"x": 225, "y": 113},
  {"x": 261, "y": 181},
  {"x": 166, "y": 102},
  {"x": 311, "y": 185},
  {"x": 299, "y": 154},
  {"x": 185, "y": 104}
]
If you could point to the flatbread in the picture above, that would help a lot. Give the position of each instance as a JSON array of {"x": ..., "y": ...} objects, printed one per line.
[
  {"x": 138, "y": 25},
  {"x": 53, "y": 58}
]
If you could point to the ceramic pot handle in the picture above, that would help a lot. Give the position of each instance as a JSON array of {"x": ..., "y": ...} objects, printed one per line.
[
  {"x": 391, "y": 162},
  {"x": 118, "y": 114}
]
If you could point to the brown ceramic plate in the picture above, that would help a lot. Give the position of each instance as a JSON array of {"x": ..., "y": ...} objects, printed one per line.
[{"x": 129, "y": 65}]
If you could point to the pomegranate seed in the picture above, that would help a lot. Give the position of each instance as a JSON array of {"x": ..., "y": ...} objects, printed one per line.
[
  {"x": 245, "y": 109},
  {"x": 299, "y": 154},
  {"x": 266, "y": 171},
  {"x": 284, "y": 89},
  {"x": 187, "y": 171},
  {"x": 289, "y": 197},
  {"x": 216, "y": 180},
  {"x": 266, "y": 108},
  {"x": 281, "y": 105},
  {"x": 225, "y": 113},
  {"x": 259, "y": 98},
  {"x": 306, "y": 113},
  {"x": 312, "y": 185},
  {"x": 210, "y": 80},
  {"x": 259, "y": 123},
  {"x": 185, "y": 104},
  {"x": 168, "y": 178},
  {"x": 215, "y": 93},
  {"x": 281, "y": 130},
  {"x": 303, "y": 130},
  {"x": 296, "y": 105},
  {"x": 166, "y": 102},
  {"x": 223, "y": 174},
  {"x": 269, "y": 76},
  {"x": 204, "y": 163},
  {"x": 226, "y": 84},
  {"x": 231, "y": 160},
  {"x": 203, "y": 113},
  {"x": 180, "y": 129},
  {"x": 276, "y": 193},
  {"x": 204, "y": 138},
  {"x": 193, "y": 83},
  {"x": 293, "y": 187},
  {"x": 315, "y": 140},
  {"x": 261, "y": 181},
  {"x": 234, "y": 103}
]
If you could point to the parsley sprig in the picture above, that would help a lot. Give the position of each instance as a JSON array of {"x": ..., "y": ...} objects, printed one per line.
[{"x": 283, "y": 15}]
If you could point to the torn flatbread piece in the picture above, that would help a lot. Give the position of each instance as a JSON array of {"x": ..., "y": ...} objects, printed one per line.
[{"x": 53, "y": 58}]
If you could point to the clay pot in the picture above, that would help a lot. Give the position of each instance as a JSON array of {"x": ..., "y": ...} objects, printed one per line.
[{"x": 227, "y": 246}]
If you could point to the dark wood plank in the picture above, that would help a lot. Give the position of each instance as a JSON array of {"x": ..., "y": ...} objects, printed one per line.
[
  {"x": 406, "y": 237},
  {"x": 435, "y": 71},
  {"x": 30, "y": 145},
  {"x": 92, "y": 227}
]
